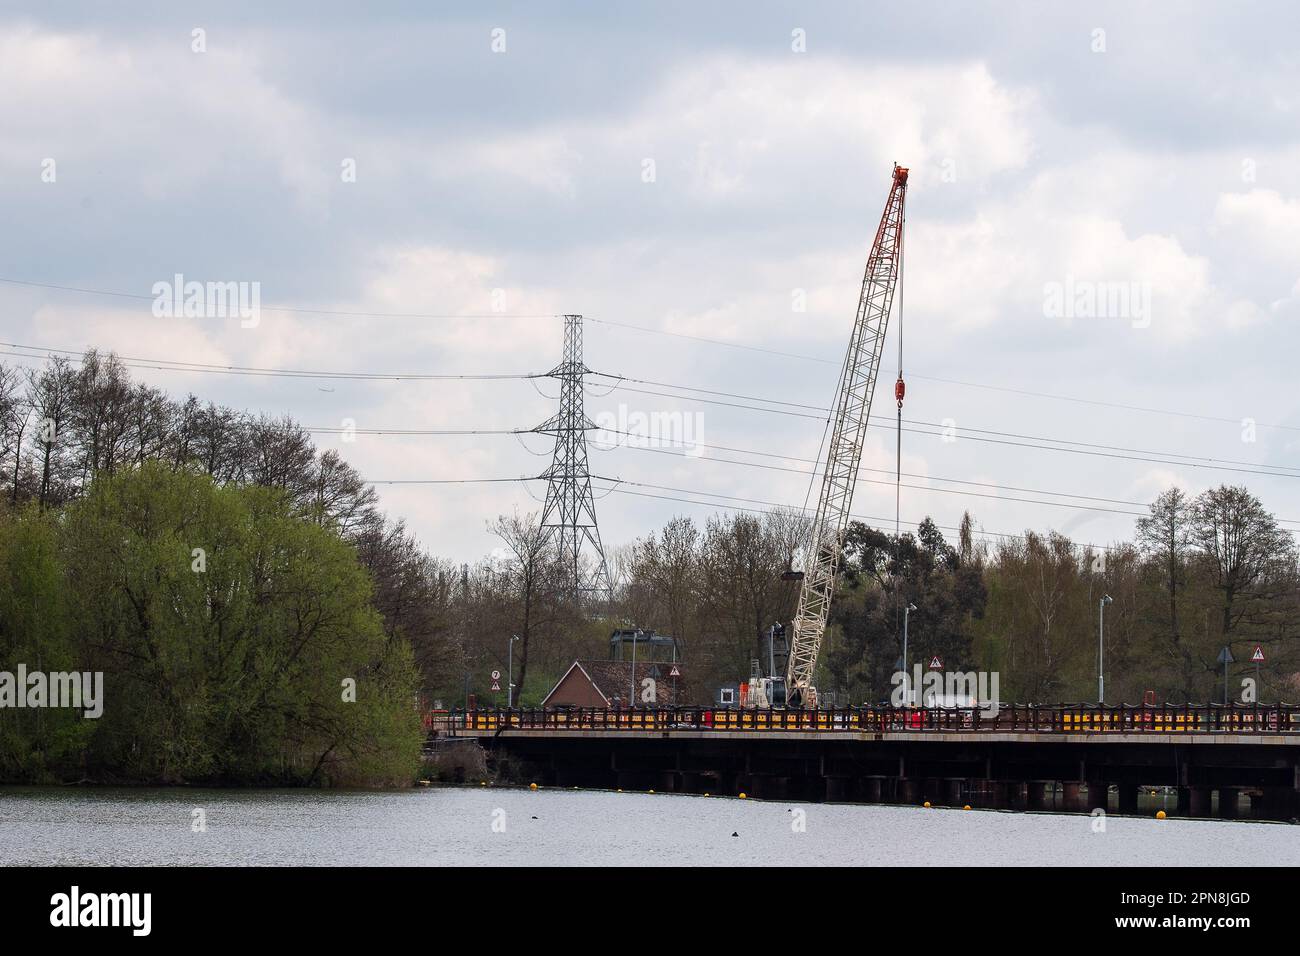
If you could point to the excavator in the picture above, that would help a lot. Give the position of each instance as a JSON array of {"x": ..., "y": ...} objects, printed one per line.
[{"x": 852, "y": 409}]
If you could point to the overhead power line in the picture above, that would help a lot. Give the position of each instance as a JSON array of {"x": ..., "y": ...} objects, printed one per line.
[
  {"x": 947, "y": 381},
  {"x": 177, "y": 365},
  {"x": 662, "y": 332},
  {"x": 449, "y": 481},
  {"x": 876, "y": 519},
  {"x": 421, "y": 432},
  {"x": 974, "y": 434}
]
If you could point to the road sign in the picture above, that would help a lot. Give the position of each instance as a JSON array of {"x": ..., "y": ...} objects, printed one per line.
[
  {"x": 496, "y": 675},
  {"x": 675, "y": 672},
  {"x": 1225, "y": 656},
  {"x": 936, "y": 663},
  {"x": 496, "y": 686},
  {"x": 1257, "y": 655}
]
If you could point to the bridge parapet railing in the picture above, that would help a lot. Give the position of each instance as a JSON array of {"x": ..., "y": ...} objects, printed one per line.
[{"x": 1014, "y": 718}]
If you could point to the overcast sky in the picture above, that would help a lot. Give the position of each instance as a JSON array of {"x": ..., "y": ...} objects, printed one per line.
[{"x": 503, "y": 157}]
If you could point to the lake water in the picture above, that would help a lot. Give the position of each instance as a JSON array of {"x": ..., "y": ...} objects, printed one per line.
[{"x": 472, "y": 826}]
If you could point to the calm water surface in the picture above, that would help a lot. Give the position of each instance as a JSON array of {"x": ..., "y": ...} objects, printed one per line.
[{"x": 454, "y": 827}]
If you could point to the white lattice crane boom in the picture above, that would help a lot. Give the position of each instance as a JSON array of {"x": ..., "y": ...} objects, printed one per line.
[{"x": 852, "y": 408}]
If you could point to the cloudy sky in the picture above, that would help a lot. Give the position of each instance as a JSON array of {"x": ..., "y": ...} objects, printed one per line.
[{"x": 1102, "y": 256}]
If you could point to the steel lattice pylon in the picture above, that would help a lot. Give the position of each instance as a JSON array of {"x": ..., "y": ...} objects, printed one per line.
[
  {"x": 569, "y": 514},
  {"x": 852, "y": 409}
]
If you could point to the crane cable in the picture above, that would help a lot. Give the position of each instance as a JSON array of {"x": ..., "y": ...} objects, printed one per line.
[{"x": 899, "y": 390}]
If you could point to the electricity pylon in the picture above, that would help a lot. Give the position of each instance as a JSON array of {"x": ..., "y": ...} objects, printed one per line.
[{"x": 569, "y": 514}]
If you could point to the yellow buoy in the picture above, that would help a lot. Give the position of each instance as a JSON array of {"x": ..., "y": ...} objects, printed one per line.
[
  {"x": 742, "y": 794},
  {"x": 967, "y": 807},
  {"x": 620, "y": 789},
  {"x": 926, "y": 804},
  {"x": 1160, "y": 814},
  {"x": 532, "y": 786},
  {"x": 652, "y": 791},
  {"x": 706, "y": 794},
  {"x": 482, "y": 783}
]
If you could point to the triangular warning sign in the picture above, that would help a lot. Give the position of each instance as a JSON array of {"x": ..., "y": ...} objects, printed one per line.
[
  {"x": 675, "y": 672},
  {"x": 936, "y": 663},
  {"x": 1257, "y": 655},
  {"x": 496, "y": 685}
]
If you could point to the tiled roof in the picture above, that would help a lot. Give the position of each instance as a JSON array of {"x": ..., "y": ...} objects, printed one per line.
[{"x": 615, "y": 679}]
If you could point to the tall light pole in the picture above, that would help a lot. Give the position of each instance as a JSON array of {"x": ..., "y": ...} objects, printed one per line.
[
  {"x": 1101, "y": 647},
  {"x": 907, "y": 693},
  {"x": 631, "y": 700},
  {"x": 510, "y": 671}
]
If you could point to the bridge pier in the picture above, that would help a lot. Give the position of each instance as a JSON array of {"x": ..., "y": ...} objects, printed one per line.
[
  {"x": 1016, "y": 795},
  {"x": 633, "y": 780},
  {"x": 978, "y": 793},
  {"x": 909, "y": 790},
  {"x": 1198, "y": 800},
  {"x": 1279, "y": 803},
  {"x": 952, "y": 795},
  {"x": 775, "y": 788},
  {"x": 1128, "y": 799},
  {"x": 873, "y": 790},
  {"x": 1098, "y": 795},
  {"x": 1072, "y": 796},
  {"x": 837, "y": 789},
  {"x": 1038, "y": 795},
  {"x": 1229, "y": 803}
]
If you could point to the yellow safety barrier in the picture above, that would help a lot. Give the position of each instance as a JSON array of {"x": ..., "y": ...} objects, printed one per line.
[{"x": 1042, "y": 720}]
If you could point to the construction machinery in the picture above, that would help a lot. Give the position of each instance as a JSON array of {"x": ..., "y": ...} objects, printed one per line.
[{"x": 851, "y": 410}]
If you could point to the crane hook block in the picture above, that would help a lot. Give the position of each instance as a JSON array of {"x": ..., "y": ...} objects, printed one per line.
[{"x": 899, "y": 391}]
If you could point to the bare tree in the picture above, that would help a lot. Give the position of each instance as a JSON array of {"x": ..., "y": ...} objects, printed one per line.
[
  {"x": 337, "y": 496},
  {"x": 279, "y": 454},
  {"x": 1247, "y": 553},
  {"x": 51, "y": 396},
  {"x": 15, "y": 412},
  {"x": 218, "y": 442},
  {"x": 1165, "y": 539},
  {"x": 101, "y": 414},
  {"x": 531, "y": 579},
  {"x": 667, "y": 565}
]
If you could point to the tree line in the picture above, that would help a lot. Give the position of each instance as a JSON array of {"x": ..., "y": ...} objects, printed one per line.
[{"x": 1200, "y": 573}]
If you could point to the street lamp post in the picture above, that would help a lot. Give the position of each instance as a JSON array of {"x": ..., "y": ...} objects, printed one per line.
[
  {"x": 907, "y": 693},
  {"x": 631, "y": 699},
  {"x": 1101, "y": 648},
  {"x": 510, "y": 671}
]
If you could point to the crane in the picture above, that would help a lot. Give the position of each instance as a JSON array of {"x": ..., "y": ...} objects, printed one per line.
[{"x": 852, "y": 408}]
